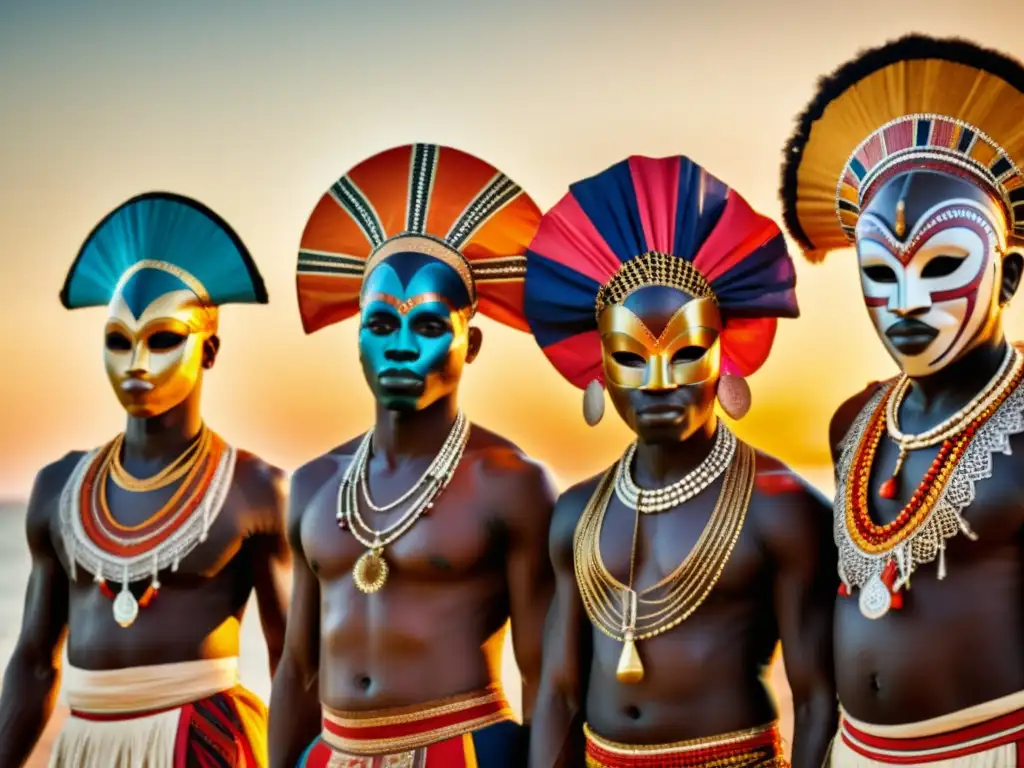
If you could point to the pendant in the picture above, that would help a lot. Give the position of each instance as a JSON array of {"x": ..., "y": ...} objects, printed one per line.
[
  {"x": 370, "y": 571},
  {"x": 875, "y": 598},
  {"x": 126, "y": 607},
  {"x": 630, "y": 670}
]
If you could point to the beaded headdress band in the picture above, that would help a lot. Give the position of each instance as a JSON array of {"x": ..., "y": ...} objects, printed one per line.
[
  {"x": 653, "y": 268},
  {"x": 918, "y": 103},
  {"x": 420, "y": 198}
]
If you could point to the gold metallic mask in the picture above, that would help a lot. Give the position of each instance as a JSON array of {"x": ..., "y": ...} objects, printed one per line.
[
  {"x": 155, "y": 361},
  {"x": 655, "y": 361}
]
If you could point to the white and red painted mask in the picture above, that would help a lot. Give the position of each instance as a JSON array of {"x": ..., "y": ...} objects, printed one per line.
[{"x": 931, "y": 274}]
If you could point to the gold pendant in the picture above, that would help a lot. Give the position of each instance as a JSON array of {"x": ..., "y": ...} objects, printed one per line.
[
  {"x": 370, "y": 572},
  {"x": 126, "y": 607},
  {"x": 630, "y": 669}
]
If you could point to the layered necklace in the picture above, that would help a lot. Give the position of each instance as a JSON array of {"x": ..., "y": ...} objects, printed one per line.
[
  {"x": 627, "y": 615},
  {"x": 371, "y": 569},
  {"x": 879, "y": 559},
  {"x": 108, "y": 549}
]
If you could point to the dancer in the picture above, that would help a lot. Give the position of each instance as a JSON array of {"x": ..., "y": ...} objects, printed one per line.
[
  {"x": 912, "y": 152},
  {"x": 145, "y": 551},
  {"x": 416, "y": 542},
  {"x": 693, "y": 554}
]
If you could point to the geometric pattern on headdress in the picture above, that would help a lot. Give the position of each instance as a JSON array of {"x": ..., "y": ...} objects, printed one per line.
[
  {"x": 158, "y": 242},
  {"x": 661, "y": 221},
  {"x": 917, "y": 103},
  {"x": 423, "y": 198}
]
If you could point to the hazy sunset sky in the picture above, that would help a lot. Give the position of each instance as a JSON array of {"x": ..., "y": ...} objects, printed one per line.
[{"x": 255, "y": 108}]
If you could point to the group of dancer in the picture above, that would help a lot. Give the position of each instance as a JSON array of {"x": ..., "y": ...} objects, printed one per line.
[{"x": 645, "y": 603}]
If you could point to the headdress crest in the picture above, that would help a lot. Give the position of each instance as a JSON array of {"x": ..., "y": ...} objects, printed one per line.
[
  {"x": 159, "y": 242},
  {"x": 648, "y": 221},
  {"x": 424, "y": 198},
  {"x": 915, "y": 103}
]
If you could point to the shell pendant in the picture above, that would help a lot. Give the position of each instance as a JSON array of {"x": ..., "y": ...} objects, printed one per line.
[{"x": 126, "y": 607}]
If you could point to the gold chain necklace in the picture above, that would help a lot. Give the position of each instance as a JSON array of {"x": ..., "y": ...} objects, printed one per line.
[
  {"x": 371, "y": 569},
  {"x": 626, "y": 615},
  {"x": 176, "y": 470}
]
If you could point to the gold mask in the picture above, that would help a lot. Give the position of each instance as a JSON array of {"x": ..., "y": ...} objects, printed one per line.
[
  {"x": 662, "y": 361},
  {"x": 155, "y": 361}
]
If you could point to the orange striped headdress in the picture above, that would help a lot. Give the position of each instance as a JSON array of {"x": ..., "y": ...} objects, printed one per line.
[{"x": 420, "y": 198}]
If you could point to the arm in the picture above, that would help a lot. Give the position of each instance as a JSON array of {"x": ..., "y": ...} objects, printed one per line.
[
  {"x": 798, "y": 532},
  {"x": 530, "y": 579},
  {"x": 556, "y": 738},
  {"x": 295, "y": 694},
  {"x": 271, "y": 562},
  {"x": 33, "y": 674}
]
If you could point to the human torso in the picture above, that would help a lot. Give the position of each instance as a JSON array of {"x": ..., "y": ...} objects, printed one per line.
[
  {"x": 199, "y": 605},
  {"x": 704, "y": 676},
  {"x": 435, "y": 628},
  {"x": 957, "y": 641}
]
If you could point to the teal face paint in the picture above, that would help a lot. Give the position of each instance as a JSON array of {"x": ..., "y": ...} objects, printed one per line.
[{"x": 414, "y": 332}]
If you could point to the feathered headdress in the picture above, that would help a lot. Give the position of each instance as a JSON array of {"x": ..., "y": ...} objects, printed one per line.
[
  {"x": 156, "y": 243},
  {"x": 652, "y": 221},
  {"x": 422, "y": 198},
  {"x": 916, "y": 103}
]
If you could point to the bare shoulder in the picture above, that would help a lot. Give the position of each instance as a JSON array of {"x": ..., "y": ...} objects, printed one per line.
[
  {"x": 787, "y": 512},
  {"x": 511, "y": 476},
  {"x": 568, "y": 511},
  {"x": 265, "y": 488},
  {"x": 313, "y": 478},
  {"x": 46, "y": 490},
  {"x": 847, "y": 412}
]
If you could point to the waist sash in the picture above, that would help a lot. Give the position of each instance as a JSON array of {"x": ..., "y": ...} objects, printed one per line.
[
  {"x": 146, "y": 690},
  {"x": 387, "y": 731},
  {"x": 761, "y": 746},
  {"x": 982, "y": 728}
]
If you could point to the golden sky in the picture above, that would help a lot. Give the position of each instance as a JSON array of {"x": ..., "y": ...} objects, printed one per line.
[{"x": 256, "y": 107}]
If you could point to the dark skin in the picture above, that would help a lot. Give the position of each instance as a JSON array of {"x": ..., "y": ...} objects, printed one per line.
[
  {"x": 707, "y": 675},
  {"x": 939, "y": 654},
  {"x": 456, "y": 578},
  {"x": 198, "y": 610}
]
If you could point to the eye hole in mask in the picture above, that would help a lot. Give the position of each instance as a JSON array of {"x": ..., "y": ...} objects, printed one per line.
[
  {"x": 118, "y": 342},
  {"x": 942, "y": 266},
  {"x": 880, "y": 274},
  {"x": 689, "y": 354},
  {"x": 162, "y": 341},
  {"x": 629, "y": 359}
]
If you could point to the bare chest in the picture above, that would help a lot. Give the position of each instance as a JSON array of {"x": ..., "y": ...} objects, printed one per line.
[{"x": 458, "y": 536}]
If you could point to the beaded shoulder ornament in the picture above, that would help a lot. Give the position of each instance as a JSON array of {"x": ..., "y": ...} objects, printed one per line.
[
  {"x": 880, "y": 573},
  {"x": 109, "y": 550}
]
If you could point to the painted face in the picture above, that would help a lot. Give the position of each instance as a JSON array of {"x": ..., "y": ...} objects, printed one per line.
[
  {"x": 932, "y": 294},
  {"x": 662, "y": 361},
  {"x": 155, "y": 333},
  {"x": 414, "y": 337}
]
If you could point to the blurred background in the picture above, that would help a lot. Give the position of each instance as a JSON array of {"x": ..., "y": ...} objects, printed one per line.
[{"x": 256, "y": 107}]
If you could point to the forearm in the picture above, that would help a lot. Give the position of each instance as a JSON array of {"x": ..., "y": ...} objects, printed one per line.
[
  {"x": 28, "y": 698},
  {"x": 554, "y": 741},
  {"x": 294, "y": 713},
  {"x": 816, "y": 718}
]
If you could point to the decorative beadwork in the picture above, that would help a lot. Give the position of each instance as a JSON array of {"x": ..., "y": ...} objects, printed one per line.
[
  {"x": 927, "y": 140},
  {"x": 653, "y": 268}
]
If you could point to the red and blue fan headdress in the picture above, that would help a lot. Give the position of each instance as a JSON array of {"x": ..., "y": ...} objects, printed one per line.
[{"x": 648, "y": 221}]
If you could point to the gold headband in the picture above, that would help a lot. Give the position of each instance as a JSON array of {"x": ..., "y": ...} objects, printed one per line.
[
  {"x": 187, "y": 278},
  {"x": 653, "y": 268},
  {"x": 428, "y": 246}
]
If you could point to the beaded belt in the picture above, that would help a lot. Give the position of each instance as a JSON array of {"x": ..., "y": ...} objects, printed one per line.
[
  {"x": 386, "y": 731},
  {"x": 760, "y": 747}
]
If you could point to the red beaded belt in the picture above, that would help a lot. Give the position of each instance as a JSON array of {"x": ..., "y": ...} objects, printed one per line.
[
  {"x": 918, "y": 750},
  {"x": 760, "y": 747},
  {"x": 388, "y": 731}
]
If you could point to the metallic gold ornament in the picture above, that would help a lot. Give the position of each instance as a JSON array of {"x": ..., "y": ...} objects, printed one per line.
[
  {"x": 630, "y": 670},
  {"x": 370, "y": 572}
]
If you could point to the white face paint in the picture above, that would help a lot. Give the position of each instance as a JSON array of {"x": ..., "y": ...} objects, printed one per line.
[{"x": 933, "y": 296}]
